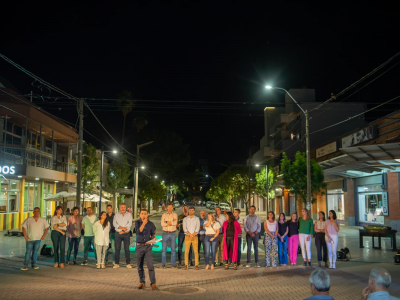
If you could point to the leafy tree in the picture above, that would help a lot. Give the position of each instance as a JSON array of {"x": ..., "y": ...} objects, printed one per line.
[
  {"x": 151, "y": 190},
  {"x": 118, "y": 174},
  {"x": 261, "y": 180},
  {"x": 90, "y": 168},
  {"x": 294, "y": 175},
  {"x": 140, "y": 120},
  {"x": 125, "y": 104},
  {"x": 173, "y": 191}
]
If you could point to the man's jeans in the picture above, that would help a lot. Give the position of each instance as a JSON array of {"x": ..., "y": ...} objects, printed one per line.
[
  {"x": 253, "y": 240},
  {"x": 73, "y": 243},
  {"x": 119, "y": 238},
  {"x": 168, "y": 236},
  {"x": 87, "y": 241},
  {"x": 32, "y": 251},
  {"x": 112, "y": 242},
  {"x": 239, "y": 254}
]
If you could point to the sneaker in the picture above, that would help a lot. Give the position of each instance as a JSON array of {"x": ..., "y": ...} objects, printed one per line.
[
  {"x": 35, "y": 267},
  {"x": 174, "y": 266},
  {"x": 248, "y": 266},
  {"x": 163, "y": 266},
  {"x": 226, "y": 267},
  {"x": 257, "y": 265},
  {"x": 97, "y": 266},
  {"x": 334, "y": 266},
  {"x": 196, "y": 268},
  {"x": 116, "y": 266},
  {"x": 84, "y": 263},
  {"x": 128, "y": 266},
  {"x": 239, "y": 264},
  {"x": 24, "y": 269}
]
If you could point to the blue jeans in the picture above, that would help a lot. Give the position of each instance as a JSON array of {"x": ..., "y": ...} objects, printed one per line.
[
  {"x": 282, "y": 250},
  {"x": 168, "y": 236},
  {"x": 73, "y": 242},
  {"x": 32, "y": 251},
  {"x": 87, "y": 241},
  {"x": 253, "y": 240},
  {"x": 239, "y": 254},
  {"x": 112, "y": 242},
  {"x": 213, "y": 245}
]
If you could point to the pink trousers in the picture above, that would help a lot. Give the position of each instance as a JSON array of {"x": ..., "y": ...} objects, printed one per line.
[{"x": 293, "y": 245}]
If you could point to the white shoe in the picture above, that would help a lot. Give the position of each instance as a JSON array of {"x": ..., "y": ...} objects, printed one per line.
[
  {"x": 98, "y": 266},
  {"x": 257, "y": 265},
  {"x": 248, "y": 266},
  {"x": 334, "y": 266},
  {"x": 116, "y": 266},
  {"x": 129, "y": 266}
]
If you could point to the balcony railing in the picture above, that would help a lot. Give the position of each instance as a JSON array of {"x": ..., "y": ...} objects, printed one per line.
[{"x": 35, "y": 158}]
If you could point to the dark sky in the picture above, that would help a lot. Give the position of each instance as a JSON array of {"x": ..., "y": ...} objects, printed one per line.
[{"x": 210, "y": 51}]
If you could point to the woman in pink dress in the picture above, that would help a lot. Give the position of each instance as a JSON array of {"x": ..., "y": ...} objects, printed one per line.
[{"x": 231, "y": 229}]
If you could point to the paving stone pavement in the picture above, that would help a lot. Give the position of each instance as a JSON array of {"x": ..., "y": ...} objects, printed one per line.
[{"x": 87, "y": 282}]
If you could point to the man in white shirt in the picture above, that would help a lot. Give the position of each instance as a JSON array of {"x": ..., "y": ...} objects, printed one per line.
[
  {"x": 34, "y": 230},
  {"x": 168, "y": 223},
  {"x": 220, "y": 218},
  {"x": 87, "y": 225},
  {"x": 123, "y": 224},
  {"x": 191, "y": 227}
]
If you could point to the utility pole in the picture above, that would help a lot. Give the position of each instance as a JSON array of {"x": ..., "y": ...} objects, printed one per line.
[
  {"x": 80, "y": 153},
  {"x": 266, "y": 175},
  {"x": 305, "y": 112},
  {"x": 137, "y": 176},
  {"x": 249, "y": 190},
  {"x": 101, "y": 177},
  {"x": 308, "y": 202}
]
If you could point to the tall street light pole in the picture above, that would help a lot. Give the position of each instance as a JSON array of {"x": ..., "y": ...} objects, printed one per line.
[
  {"x": 101, "y": 174},
  {"x": 80, "y": 154},
  {"x": 305, "y": 112},
  {"x": 137, "y": 175}
]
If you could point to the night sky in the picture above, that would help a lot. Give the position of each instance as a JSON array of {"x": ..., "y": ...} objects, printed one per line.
[{"x": 191, "y": 55}]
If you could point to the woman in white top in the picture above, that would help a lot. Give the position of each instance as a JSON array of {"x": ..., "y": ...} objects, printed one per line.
[
  {"x": 101, "y": 230},
  {"x": 270, "y": 240},
  {"x": 59, "y": 226},
  {"x": 320, "y": 243},
  {"x": 211, "y": 239},
  {"x": 331, "y": 236}
]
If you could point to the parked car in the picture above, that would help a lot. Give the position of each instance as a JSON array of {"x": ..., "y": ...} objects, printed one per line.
[
  {"x": 225, "y": 206},
  {"x": 176, "y": 204},
  {"x": 209, "y": 204}
]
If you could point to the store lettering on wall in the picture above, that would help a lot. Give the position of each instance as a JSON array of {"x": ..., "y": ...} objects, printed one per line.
[
  {"x": 360, "y": 136},
  {"x": 7, "y": 170},
  {"x": 327, "y": 149}
]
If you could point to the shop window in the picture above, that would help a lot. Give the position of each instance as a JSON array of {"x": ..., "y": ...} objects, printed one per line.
[
  {"x": 335, "y": 201},
  {"x": 31, "y": 196},
  {"x": 9, "y": 196},
  {"x": 370, "y": 204}
]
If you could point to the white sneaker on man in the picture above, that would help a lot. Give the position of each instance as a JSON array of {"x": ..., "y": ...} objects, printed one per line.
[
  {"x": 116, "y": 266},
  {"x": 128, "y": 266}
]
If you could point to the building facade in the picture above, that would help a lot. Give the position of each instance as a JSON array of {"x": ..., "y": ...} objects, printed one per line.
[{"x": 36, "y": 156}]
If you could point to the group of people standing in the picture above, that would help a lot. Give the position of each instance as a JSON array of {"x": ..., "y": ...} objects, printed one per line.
[
  {"x": 221, "y": 237},
  {"x": 283, "y": 237}
]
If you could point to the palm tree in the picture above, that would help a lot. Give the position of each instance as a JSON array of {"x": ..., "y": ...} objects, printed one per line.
[{"x": 125, "y": 104}]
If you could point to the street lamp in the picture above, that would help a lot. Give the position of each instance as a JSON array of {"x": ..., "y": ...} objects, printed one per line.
[
  {"x": 305, "y": 112},
  {"x": 210, "y": 177},
  {"x": 137, "y": 176},
  {"x": 101, "y": 174}
]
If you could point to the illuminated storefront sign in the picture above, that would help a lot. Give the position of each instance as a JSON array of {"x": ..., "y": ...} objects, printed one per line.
[{"x": 7, "y": 170}]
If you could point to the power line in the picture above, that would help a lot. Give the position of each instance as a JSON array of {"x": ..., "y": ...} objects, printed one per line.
[
  {"x": 355, "y": 116},
  {"x": 359, "y": 89},
  {"x": 63, "y": 93},
  {"x": 357, "y": 82}
]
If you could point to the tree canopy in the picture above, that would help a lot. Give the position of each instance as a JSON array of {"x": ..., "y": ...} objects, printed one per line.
[
  {"x": 294, "y": 175},
  {"x": 90, "y": 168}
]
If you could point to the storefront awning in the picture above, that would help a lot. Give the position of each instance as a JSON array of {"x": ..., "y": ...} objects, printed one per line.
[{"x": 360, "y": 161}]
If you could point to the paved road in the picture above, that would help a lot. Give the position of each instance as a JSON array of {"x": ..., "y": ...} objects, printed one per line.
[{"x": 78, "y": 282}]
